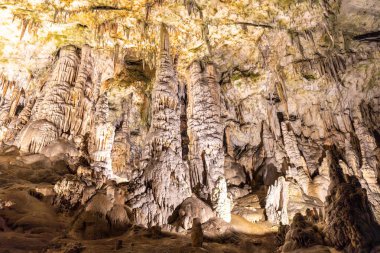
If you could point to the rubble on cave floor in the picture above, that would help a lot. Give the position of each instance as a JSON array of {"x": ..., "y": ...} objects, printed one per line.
[{"x": 33, "y": 220}]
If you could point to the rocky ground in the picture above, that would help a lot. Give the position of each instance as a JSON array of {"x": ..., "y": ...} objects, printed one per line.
[{"x": 30, "y": 222}]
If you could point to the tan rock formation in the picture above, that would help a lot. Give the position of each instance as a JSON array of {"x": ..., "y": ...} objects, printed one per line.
[
  {"x": 205, "y": 131},
  {"x": 165, "y": 180}
]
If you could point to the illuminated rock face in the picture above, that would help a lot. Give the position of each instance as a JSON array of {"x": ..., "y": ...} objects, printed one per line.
[
  {"x": 233, "y": 115},
  {"x": 165, "y": 179},
  {"x": 205, "y": 131},
  {"x": 51, "y": 114}
]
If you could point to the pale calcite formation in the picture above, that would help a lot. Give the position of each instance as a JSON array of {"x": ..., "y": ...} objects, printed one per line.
[
  {"x": 102, "y": 138},
  {"x": 277, "y": 202},
  {"x": 54, "y": 105},
  {"x": 84, "y": 94},
  {"x": 319, "y": 186},
  {"x": 192, "y": 208},
  {"x": 369, "y": 172},
  {"x": 205, "y": 131},
  {"x": 51, "y": 113},
  {"x": 165, "y": 182},
  {"x": 244, "y": 111},
  {"x": 297, "y": 164},
  {"x": 124, "y": 155}
]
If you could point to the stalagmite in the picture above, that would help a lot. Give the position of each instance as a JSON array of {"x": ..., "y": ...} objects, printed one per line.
[
  {"x": 56, "y": 101},
  {"x": 302, "y": 234},
  {"x": 205, "y": 131},
  {"x": 277, "y": 202},
  {"x": 369, "y": 164},
  {"x": 50, "y": 118},
  {"x": 197, "y": 233},
  {"x": 298, "y": 168},
  {"x": 350, "y": 224},
  {"x": 319, "y": 186},
  {"x": 102, "y": 138},
  {"x": 121, "y": 151},
  {"x": 165, "y": 180}
]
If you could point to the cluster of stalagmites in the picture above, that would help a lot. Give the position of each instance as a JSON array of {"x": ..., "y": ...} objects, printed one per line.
[
  {"x": 69, "y": 118},
  {"x": 164, "y": 182},
  {"x": 205, "y": 155},
  {"x": 349, "y": 224},
  {"x": 57, "y": 119}
]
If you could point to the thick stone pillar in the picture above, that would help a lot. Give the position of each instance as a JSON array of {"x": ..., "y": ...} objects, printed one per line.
[{"x": 205, "y": 131}]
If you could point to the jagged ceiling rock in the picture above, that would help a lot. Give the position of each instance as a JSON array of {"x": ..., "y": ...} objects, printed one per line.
[
  {"x": 196, "y": 27},
  {"x": 358, "y": 17}
]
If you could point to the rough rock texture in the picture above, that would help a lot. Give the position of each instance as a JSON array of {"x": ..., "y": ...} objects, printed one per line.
[
  {"x": 104, "y": 215},
  {"x": 197, "y": 233},
  {"x": 236, "y": 120},
  {"x": 164, "y": 183},
  {"x": 205, "y": 131},
  {"x": 301, "y": 234},
  {"x": 249, "y": 208},
  {"x": 350, "y": 222},
  {"x": 69, "y": 192},
  {"x": 192, "y": 208}
]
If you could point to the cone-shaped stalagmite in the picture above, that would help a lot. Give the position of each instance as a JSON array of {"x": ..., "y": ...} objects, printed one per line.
[{"x": 165, "y": 180}]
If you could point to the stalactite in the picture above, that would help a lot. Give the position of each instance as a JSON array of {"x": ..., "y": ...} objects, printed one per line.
[
  {"x": 16, "y": 95},
  {"x": 332, "y": 65},
  {"x": 24, "y": 25},
  {"x": 5, "y": 88},
  {"x": 18, "y": 123}
]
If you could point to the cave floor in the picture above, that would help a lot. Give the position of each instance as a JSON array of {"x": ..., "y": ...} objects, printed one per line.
[{"x": 29, "y": 222}]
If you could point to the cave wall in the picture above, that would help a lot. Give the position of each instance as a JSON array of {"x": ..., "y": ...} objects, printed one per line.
[{"x": 250, "y": 117}]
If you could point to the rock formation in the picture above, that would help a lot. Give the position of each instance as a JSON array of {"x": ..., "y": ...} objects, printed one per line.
[
  {"x": 51, "y": 114},
  {"x": 301, "y": 234},
  {"x": 258, "y": 116},
  {"x": 205, "y": 131},
  {"x": 164, "y": 183},
  {"x": 197, "y": 233},
  {"x": 355, "y": 227}
]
